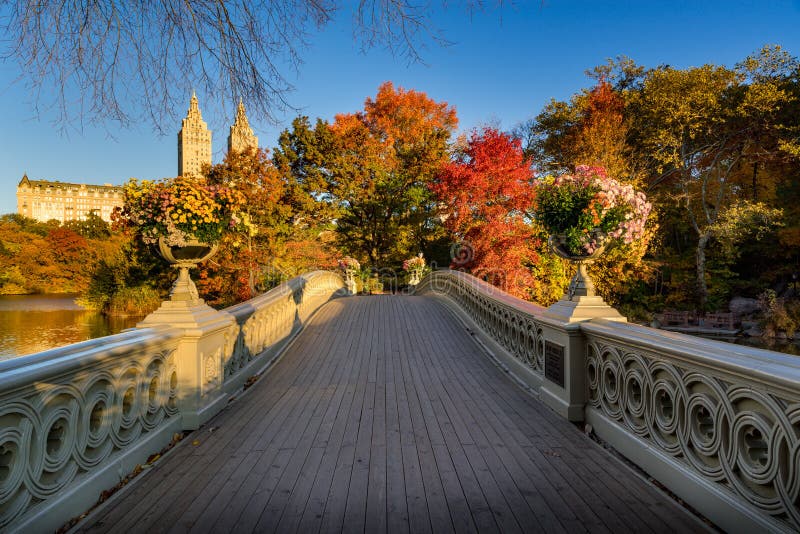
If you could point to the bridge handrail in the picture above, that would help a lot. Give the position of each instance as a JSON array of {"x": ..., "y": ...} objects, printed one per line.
[
  {"x": 267, "y": 321},
  {"x": 725, "y": 413},
  {"x": 69, "y": 413},
  {"x": 510, "y": 321}
]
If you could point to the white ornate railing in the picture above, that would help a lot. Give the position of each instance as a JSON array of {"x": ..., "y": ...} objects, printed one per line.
[
  {"x": 511, "y": 322},
  {"x": 266, "y": 322},
  {"x": 68, "y": 415},
  {"x": 76, "y": 420},
  {"x": 729, "y": 415}
]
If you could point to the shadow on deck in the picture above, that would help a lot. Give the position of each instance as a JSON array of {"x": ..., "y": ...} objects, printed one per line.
[{"x": 385, "y": 415}]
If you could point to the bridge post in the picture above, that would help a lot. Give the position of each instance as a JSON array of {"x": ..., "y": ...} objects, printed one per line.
[
  {"x": 208, "y": 338},
  {"x": 564, "y": 385}
]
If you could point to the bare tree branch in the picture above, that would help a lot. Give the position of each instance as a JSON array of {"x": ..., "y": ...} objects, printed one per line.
[{"x": 118, "y": 61}]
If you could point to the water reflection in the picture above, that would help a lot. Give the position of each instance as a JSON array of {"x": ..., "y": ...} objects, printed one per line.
[{"x": 33, "y": 323}]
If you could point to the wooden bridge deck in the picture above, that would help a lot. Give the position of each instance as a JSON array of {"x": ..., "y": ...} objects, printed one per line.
[{"x": 385, "y": 415}]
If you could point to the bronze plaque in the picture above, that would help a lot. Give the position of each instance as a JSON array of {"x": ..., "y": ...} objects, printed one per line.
[{"x": 554, "y": 363}]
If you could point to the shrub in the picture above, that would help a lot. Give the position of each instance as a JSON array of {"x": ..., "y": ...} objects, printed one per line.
[
  {"x": 137, "y": 301},
  {"x": 778, "y": 315}
]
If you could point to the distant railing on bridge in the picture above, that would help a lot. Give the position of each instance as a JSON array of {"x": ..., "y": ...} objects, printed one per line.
[
  {"x": 511, "y": 322},
  {"x": 267, "y": 321},
  {"x": 74, "y": 421},
  {"x": 718, "y": 424}
]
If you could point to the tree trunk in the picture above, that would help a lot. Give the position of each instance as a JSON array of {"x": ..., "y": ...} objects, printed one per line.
[{"x": 702, "y": 287}]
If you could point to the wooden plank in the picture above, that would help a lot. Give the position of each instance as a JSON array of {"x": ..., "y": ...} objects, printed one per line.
[
  {"x": 285, "y": 509},
  {"x": 336, "y": 504},
  {"x": 539, "y": 465},
  {"x": 330, "y": 437},
  {"x": 546, "y": 501},
  {"x": 266, "y": 504},
  {"x": 222, "y": 500},
  {"x": 258, "y": 487},
  {"x": 355, "y": 508},
  {"x": 148, "y": 499},
  {"x": 544, "y": 458},
  {"x": 434, "y": 498},
  {"x": 564, "y": 434},
  {"x": 396, "y": 507},
  {"x": 375, "y": 513}
]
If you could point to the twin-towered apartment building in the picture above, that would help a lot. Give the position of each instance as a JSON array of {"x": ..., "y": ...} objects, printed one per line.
[{"x": 45, "y": 200}]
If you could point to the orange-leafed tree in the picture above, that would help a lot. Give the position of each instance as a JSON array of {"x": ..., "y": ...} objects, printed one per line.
[
  {"x": 486, "y": 194},
  {"x": 599, "y": 137},
  {"x": 235, "y": 273},
  {"x": 383, "y": 160}
]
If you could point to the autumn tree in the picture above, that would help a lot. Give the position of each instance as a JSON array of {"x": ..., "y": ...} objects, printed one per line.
[
  {"x": 591, "y": 129},
  {"x": 701, "y": 141},
  {"x": 233, "y": 275},
  {"x": 38, "y": 257},
  {"x": 485, "y": 195},
  {"x": 698, "y": 126},
  {"x": 384, "y": 158}
]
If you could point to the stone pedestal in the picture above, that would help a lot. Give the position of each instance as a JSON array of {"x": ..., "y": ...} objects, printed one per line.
[
  {"x": 565, "y": 347},
  {"x": 582, "y": 308},
  {"x": 350, "y": 283},
  {"x": 207, "y": 337}
]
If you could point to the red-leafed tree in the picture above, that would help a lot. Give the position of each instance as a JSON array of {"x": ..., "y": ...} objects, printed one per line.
[{"x": 486, "y": 193}]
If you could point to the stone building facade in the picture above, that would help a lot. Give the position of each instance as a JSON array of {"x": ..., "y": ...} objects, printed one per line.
[
  {"x": 44, "y": 200},
  {"x": 194, "y": 141},
  {"x": 241, "y": 136}
]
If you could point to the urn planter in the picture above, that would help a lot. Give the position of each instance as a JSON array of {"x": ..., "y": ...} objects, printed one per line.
[
  {"x": 581, "y": 284},
  {"x": 183, "y": 258}
]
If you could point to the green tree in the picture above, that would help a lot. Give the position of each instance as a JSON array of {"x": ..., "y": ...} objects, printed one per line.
[
  {"x": 701, "y": 129},
  {"x": 91, "y": 227},
  {"x": 302, "y": 158}
]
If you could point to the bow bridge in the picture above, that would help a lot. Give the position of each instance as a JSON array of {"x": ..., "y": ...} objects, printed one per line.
[{"x": 456, "y": 408}]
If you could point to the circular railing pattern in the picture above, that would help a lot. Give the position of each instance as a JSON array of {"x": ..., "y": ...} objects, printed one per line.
[
  {"x": 515, "y": 330},
  {"x": 735, "y": 435},
  {"x": 59, "y": 429}
]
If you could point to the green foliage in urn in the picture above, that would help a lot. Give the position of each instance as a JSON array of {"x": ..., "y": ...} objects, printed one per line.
[{"x": 588, "y": 208}]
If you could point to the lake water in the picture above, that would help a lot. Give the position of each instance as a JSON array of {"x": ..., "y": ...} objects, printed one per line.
[{"x": 33, "y": 323}]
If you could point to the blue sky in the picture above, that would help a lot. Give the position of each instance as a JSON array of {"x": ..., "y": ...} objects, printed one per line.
[{"x": 502, "y": 67}]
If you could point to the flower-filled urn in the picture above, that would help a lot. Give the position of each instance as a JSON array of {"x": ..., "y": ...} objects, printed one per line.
[
  {"x": 184, "y": 218},
  {"x": 415, "y": 267},
  {"x": 350, "y": 266},
  {"x": 584, "y": 214}
]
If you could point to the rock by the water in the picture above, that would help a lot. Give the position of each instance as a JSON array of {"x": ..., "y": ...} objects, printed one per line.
[
  {"x": 753, "y": 332},
  {"x": 743, "y": 305}
]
